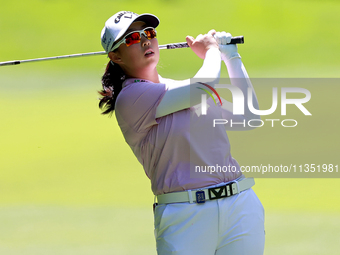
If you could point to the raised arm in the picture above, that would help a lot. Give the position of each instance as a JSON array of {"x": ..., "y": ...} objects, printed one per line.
[
  {"x": 181, "y": 95},
  {"x": 238, "y": 77}
]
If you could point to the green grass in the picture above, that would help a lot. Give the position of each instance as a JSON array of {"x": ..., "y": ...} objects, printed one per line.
[
  {"x": 69, "y": 184},
  {"x": 80, "y": 230}
]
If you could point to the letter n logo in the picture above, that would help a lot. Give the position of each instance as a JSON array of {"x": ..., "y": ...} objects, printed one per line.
[{"x": 204, "y": 97}]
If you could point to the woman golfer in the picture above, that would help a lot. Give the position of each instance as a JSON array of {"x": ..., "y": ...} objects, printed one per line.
[{"x": 200, "y": 210}]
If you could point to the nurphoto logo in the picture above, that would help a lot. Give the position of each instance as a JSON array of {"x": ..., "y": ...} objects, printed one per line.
[{"x": 240, "y": 100}]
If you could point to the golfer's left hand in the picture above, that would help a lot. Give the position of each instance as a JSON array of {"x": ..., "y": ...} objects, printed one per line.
[{"x": 229, "y": 51}]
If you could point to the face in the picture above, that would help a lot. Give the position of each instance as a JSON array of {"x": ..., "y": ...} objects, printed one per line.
[{"x": 137, "y": 58}]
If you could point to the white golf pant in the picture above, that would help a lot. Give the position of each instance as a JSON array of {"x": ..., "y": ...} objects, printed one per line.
[{"x": 228, "y": 226}]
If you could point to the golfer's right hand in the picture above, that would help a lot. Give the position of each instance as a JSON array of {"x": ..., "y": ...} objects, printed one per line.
[
  {"x": 229, "y": 51},
  {"x": 202, "y": 43}
]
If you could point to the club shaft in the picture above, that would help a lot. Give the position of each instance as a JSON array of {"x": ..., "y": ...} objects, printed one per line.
[
  {"x": 234, "y": 40},
  {"x": 17, "y": 62}
]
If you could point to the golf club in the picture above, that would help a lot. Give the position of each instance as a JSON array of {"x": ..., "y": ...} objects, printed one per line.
[{"x": 234, "y": 40}]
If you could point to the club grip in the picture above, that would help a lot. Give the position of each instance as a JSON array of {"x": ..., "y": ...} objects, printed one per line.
[
  {"x": 237, "y": 40},
  {"x": 234, "y": 40}
]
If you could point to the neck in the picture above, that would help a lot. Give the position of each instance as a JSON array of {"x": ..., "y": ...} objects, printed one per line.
[{"x": 150, "y": 75}]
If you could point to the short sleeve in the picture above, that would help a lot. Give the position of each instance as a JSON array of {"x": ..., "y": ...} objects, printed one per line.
[{"x": 137, "y": 103}]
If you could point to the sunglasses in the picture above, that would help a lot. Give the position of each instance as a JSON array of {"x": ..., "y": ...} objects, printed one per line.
[{"x": 136, "y": 36}]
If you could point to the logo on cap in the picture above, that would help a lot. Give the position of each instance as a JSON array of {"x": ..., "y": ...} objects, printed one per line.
[
  {"x": 104, "y": 37},
  {"x": 120, "y": 15},
  {"x": 108, "y": 44}
]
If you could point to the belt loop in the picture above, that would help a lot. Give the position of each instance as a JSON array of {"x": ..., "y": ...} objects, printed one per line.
[
  {"x": 190, "y": 196},
  {"x": 238, "y": 187}
]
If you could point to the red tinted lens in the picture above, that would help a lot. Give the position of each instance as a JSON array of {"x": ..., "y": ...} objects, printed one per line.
[
  {"x": 132, "y": 39},
  {"x": 150, "y": 32}
]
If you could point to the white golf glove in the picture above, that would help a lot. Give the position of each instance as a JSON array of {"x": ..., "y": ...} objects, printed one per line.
[{"x": 229, "y": 51}]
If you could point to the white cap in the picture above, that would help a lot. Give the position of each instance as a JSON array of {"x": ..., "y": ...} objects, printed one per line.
[{"x": 117, "y": 25}]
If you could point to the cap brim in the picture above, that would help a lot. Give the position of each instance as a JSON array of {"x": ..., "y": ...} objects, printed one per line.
[{"x": 149, "y": 19}]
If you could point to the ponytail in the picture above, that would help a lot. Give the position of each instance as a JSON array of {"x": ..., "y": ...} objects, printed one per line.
[{"x": 112, "y": 81}]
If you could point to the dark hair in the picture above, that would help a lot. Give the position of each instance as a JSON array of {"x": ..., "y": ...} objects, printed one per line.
[{"x": 112, "y": 81}]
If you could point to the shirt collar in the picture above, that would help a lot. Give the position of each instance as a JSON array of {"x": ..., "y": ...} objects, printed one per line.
[{"x": 129, "y": 81}]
